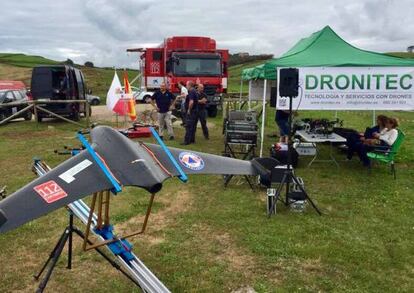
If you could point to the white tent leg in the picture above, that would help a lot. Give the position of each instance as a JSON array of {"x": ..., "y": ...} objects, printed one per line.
[
  {"x": 263, "y": 118},
  {"x": 241, "y": 91},
  {"x": 373, "y": 118},
  {"x": 250, "y": 90}
]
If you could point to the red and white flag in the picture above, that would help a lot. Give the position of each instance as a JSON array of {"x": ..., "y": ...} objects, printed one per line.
[{"x": 115, "y": 97}]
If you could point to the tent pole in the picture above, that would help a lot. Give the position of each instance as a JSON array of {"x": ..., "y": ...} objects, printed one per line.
[
  {"x": 263, "y": 118},
  {"x": 241, "y": 90},
  {"x": 250, "y": 90},
  {"x": 373, "y": 118}
]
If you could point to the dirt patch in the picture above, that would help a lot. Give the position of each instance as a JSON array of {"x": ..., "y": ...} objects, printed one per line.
[
  {"x": 221, "y": 248},
  {"x": 175, "y": 204},
  {"x": 144, "y": 112}
]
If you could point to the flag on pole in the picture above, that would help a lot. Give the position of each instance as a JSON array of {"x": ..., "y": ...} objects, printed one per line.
[
  {"x": 130, "y": 98},
  {"x": 114, "y": 97}
]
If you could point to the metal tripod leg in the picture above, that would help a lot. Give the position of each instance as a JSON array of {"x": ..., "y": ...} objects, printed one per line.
[
  {"x": 54, "y": 257},
  {"x": 277, "y": 194}
]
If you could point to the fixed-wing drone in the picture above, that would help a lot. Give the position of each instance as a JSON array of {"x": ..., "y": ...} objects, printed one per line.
[{"x": 109, "y": 162}]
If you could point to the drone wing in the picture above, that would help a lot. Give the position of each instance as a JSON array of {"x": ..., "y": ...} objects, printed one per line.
[
  {"x": 193, "y": 162},
  {"x": 72, "y": 180},
  {"x": 114, "y": 154}
]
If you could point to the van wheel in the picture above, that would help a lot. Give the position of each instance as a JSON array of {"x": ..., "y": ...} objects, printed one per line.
[
  {"x": 2, "y": 116},
  {"x": 39, "y": 118},
  {"x": 28, "y": 116}
]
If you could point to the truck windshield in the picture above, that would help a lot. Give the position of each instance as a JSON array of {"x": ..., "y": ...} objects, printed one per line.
[{"x": 197, "y": 67}]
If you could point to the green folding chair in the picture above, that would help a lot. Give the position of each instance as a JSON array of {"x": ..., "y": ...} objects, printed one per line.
[{"x": 387, "y": 156}]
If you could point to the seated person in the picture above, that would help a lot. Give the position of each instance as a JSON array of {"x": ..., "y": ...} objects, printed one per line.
[
  {"x": 380, "y": 127},
  {"x": 380, "y": 141},
  {"x": 354, "y": 138}
]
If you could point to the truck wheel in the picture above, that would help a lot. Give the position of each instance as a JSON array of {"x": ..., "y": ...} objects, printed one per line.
[
  {"x": 28, "y": 116},
  {"x": 212, "y": 111}
]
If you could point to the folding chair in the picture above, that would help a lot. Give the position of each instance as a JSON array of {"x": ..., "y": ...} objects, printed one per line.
[{"x": 387, "y": 156}]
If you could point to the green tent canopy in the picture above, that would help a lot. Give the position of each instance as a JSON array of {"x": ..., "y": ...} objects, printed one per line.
[{"x": 323, "y": 48}]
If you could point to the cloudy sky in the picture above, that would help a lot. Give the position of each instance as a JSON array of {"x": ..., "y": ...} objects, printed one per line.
[{"x": 101, "y": 30}]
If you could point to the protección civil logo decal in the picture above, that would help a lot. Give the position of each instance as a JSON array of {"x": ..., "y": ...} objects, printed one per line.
[{"x": 191, "y": 161}]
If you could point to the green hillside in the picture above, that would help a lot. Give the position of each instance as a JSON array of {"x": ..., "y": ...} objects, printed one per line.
[
  {"x": 235, "y": 75},
  {"x": 22, "y": 60}
]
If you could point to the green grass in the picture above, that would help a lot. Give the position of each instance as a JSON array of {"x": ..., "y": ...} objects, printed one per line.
[{"x": 203, "y": 237}]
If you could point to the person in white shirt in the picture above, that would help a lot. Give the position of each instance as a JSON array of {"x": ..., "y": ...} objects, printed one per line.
[
  {"x": 383, "y": 141},
  {"x": 181, "y": 98}
]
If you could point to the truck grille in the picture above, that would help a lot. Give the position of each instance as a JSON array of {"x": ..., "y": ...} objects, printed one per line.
[{"x": 210, "y": 90}]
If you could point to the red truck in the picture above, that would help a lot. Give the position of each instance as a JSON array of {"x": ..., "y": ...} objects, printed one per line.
[{"x": 186, "y": 58}]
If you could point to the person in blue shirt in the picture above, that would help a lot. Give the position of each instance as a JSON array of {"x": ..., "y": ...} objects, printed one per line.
[{"x": 163, "y": 101}]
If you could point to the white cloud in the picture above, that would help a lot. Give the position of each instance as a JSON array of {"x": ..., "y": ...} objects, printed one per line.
[{"x": 101, "y": 30}]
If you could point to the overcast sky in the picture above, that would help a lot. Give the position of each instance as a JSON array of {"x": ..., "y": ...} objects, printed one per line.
[{"x": 101, "y": 30}]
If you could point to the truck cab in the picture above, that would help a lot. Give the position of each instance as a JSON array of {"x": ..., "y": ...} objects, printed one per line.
[{"x": 180, "y": 59}]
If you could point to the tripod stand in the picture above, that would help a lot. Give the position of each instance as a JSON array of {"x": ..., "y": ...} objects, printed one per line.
[
  {"x": 67, "y": 237},
  {"x": 288, "y": 176}
]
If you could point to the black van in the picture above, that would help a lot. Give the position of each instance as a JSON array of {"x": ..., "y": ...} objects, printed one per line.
[{"x": 59, "y": 82}]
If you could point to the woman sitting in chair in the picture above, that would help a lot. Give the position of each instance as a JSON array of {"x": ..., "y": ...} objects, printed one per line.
[
  {"x": 354, "y": 139},
  {"x": 380, "y": 141}
]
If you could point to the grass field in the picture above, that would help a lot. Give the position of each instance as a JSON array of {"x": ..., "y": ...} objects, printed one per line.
[{"x": 203, "y": 237}]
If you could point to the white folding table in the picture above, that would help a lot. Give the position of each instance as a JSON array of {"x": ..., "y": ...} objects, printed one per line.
[{"x": 320, "y": 138}]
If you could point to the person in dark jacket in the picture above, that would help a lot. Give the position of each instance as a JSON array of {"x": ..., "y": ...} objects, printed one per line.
[
  {"x": 201, "y": 110},
  {"x": 191, "y": 113}
]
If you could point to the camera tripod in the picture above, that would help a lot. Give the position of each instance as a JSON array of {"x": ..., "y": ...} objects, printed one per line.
[{"x": 289, "y": 177}]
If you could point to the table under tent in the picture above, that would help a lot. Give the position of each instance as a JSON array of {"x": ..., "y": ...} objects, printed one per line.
[{"x": 323, "y": 49}]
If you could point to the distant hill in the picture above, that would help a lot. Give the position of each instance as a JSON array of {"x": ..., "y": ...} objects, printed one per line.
[
  {"x": 235, "y": 75},
  {"x": 243, "y": 58},
  {"x": 19, "y": 67},
  {"x": 22, "y": 60}
]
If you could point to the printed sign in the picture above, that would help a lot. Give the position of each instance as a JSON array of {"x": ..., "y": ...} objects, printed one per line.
[
  {"x": 191, "y": 161},
  {"x": 50, "y": 191},
  {"x": 353, "y": 88}
]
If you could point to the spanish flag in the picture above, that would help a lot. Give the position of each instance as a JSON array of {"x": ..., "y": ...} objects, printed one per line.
[{"x": 131, "y": 102}]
